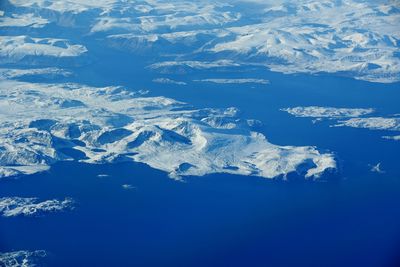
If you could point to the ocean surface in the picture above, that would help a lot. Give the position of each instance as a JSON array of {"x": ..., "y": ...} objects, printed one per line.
[{"x": 349, "y": 218}]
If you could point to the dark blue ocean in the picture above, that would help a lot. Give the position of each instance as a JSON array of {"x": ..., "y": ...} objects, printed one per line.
[{"x": 351, "y": 218}]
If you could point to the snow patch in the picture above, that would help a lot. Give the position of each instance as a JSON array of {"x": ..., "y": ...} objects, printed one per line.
[
  {"x": 18, "y": 206},
  {"x": 16, "y": 48},
  {"x": 168, "y": 81},
  {"x": 392, "y": 137},
  {"x": 235, "y": 81},
  {"x": 327, "y": 112},
  {"x": 23, "y": 258},
  {"x": 372, "y": 123}
]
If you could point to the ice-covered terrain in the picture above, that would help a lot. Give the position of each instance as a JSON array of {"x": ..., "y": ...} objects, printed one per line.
[
  {"x": 17, "y": 48},
  {"x": 372, "y": 123},
  {"x": 42, "y": 72},
  {"x": 392, "y": 137},
  {"x": 21, "y": 258},
  {"x": 18, "y": 206},
  {"x": 106, "y": 81},
  {"x": 45, "y": 123},
  {"x": 327, "y": 112},
  {"x": 168, "y": 81},
  {"x": 359, "y": 39},
  {"x": 235, "y": 81},
  {"x": 349, "y": 117},
  {"x": 165, "y": 66}
]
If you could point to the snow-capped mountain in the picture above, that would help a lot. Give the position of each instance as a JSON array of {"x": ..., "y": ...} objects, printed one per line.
[
  {"x": 87, "y": 84},
  {"x": 42, "y": 123},
  {"x": 358, "y": 39},
  {"x": 45, "y": 123}
]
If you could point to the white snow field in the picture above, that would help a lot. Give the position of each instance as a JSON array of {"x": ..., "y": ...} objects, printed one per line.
[
  {"x": 349, "y": 117},
  {"x": 358, "y": 39},
  {"x": 41, "y": 124},
  {"x": 23, "y": 258},
  {"x": 18, "y": 206}
]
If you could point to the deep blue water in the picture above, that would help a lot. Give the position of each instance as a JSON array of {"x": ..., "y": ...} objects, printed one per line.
[
  {"x": 218, "y": 220},
  {"x": 352, "y": 219}
]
